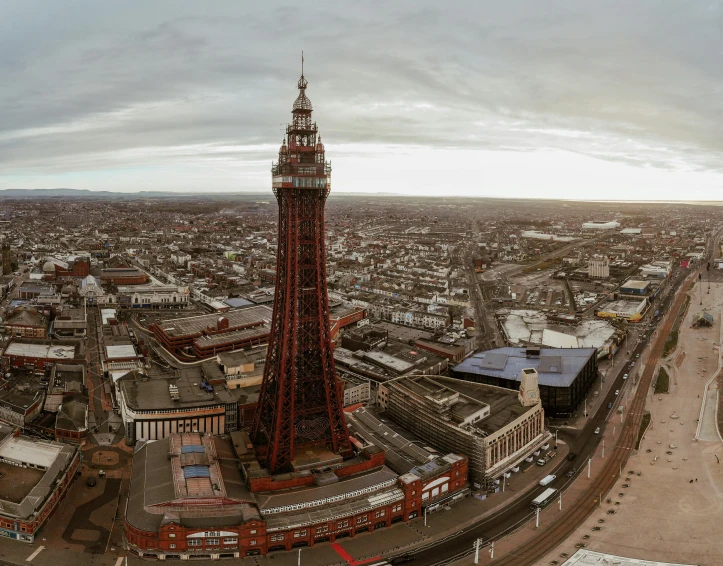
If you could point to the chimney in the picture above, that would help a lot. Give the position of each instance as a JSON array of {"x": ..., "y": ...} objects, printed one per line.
[{"x": 529, "y": 388}]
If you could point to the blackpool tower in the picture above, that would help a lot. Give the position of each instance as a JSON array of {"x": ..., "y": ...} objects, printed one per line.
[{"x": 299, "y": 408}]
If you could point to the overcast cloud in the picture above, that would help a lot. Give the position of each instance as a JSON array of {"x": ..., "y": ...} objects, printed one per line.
[{"x": 577, "y": 99}]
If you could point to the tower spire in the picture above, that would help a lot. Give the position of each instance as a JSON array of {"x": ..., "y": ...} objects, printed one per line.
[{"x": 299, "y": 406}]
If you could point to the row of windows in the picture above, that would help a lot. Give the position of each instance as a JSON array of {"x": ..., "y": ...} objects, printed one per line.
[{"x": 333, "y": 499}]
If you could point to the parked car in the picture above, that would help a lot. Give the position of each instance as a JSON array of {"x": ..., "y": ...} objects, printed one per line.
[
  {"x": 610, "y": 405},
  {"x": 90, "y": 482},
  {"x": 571, "y": 456},
  {"x": 597, "y": 430},
  {"x": 625, "y": 377},
  {"x": 617, "y": 392}
]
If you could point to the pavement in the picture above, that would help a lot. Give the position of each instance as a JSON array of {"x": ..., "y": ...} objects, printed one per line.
[{"x": 674, "y": 511}]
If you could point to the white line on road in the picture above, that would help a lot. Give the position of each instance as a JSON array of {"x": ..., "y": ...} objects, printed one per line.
[
  {"x": 34, "y": 554},
  {"x": 119, "y": 561}
]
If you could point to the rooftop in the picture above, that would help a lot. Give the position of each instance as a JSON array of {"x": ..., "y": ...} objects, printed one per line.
[
  {"x": 196, "y": 325},
  {"x": 508, "y": 362}
]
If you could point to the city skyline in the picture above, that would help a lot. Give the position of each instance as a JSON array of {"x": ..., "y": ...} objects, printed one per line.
[{"x": 555, "y": 101}]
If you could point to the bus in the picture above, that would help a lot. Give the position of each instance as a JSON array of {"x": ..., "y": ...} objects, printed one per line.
[{"x": 543, "y": 499}]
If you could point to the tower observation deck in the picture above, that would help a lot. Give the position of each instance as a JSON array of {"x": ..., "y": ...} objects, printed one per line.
[{"x": 300, "y": 408}]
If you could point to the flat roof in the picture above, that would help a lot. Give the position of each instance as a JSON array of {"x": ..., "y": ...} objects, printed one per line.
[
  {"x": 584, "y": 557},
  {"x": 194, "y": 325},
  {"x": 120, "y": 352},
  {"x": 232, "y": 336},
  {"x": 635, "y": 284},
  {"x": 16, "y": 483},
  {"x": 573, "y": 360},
  {"x": 44, "y": 351},
  {"x": 22, "y": 450},
  {"x": 504, "y": 404}
]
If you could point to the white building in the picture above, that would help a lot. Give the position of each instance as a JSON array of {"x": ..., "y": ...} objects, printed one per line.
[
  {"x": 598, "y": 225},
  {"x": 598, "y": 267},
  {"x": 137, "y": 296}
]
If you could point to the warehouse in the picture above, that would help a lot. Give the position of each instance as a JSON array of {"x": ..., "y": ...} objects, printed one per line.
[{"x": 566, "y": 374}]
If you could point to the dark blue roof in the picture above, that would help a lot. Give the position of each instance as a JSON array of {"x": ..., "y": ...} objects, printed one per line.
[
  {"x": 190, "y": 448},
  {"x": 236, "y": 302},
  {"x": 196, "y": 472},
  {"x": 563, "y": 374}
]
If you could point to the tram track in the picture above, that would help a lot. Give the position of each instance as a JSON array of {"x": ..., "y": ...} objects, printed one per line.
[{"x": 551, "y": 537}]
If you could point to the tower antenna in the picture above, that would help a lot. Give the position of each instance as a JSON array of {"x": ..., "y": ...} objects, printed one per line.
[{"x": 302, "y": 62}]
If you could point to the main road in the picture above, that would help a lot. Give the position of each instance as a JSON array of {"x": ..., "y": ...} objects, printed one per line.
[{"x": 584, "y": 444}]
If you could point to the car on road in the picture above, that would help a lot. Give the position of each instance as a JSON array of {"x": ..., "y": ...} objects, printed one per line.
[
  {"x": 403, "y": 559},
  {"x": 541, "y": 462},
  {"x": 597, "y": 430},
  {"x": 637, "y": 356},
  {"x": 625, "y": 377},
  {"x": 90, "y": 482},
  {"x": 617, "y": 392},
  {"x": 610, "y": 405},
  {"x": 571, "y": 456},
  {"x": 571, "y": 473}
]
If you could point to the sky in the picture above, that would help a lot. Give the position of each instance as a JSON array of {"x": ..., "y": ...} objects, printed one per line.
[{"x": 613, "y": 100}]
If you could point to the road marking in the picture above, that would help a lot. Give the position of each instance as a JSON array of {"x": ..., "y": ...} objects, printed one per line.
[
  {"x": 119, "y": 561},
  {"x": 34, "y": 554}
]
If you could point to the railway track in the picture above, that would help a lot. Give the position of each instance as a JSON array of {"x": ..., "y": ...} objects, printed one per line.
[{"x": 549, "y": 538}]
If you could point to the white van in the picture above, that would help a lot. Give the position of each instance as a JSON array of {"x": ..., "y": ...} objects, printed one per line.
[{"x": 548, "y": 480}]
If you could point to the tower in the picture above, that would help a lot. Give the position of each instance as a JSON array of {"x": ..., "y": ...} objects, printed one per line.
[
  {"x": 529, "y": 387},
  {"x": 299, "y": 403}
]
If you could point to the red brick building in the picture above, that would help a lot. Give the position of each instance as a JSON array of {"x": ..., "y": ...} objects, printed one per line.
[
  {"x": 206, "y": 335},
  {"x": 27, "y": 323},
  {"x": 37, "y": 354},
  {"x": 124, "y": 276},
  {"x": 196, "y": 476},
  {"x": 27, "y": 463}
]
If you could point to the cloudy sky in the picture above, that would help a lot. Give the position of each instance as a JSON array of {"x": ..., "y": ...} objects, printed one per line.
[{"x": 577, "y": 99}]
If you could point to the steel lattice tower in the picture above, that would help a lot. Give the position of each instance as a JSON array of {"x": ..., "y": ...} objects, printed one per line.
[{"x": 300, "y": 403}]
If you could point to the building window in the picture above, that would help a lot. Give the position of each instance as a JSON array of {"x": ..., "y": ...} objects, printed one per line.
[
  {"x": 299, "y": 534},
  {"x": 172, "y": 535},
  {"x": 342, "y": 524},
  {"x": 171, "y": 546},
  {"x": 211, "y": 542},
  {"x": 230, "y": 540},
  {"x": 397, "y": 507},
  {"x": 362, "y": 519},
  {"x": 322, "y": 529},
  {"x": 194, "y": 542},
  {"x": 380, "y": 513},
  {"x": 277, "y": 538},
  {"x": 252, "y": 543}
]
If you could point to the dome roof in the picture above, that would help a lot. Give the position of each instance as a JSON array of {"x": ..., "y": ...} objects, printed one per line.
[
  {"x": 302, "y": 102},
  {"x": 49, "y": 266}
]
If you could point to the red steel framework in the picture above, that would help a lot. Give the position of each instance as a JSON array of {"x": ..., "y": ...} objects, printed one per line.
[{"x": 300, "y": 403}]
